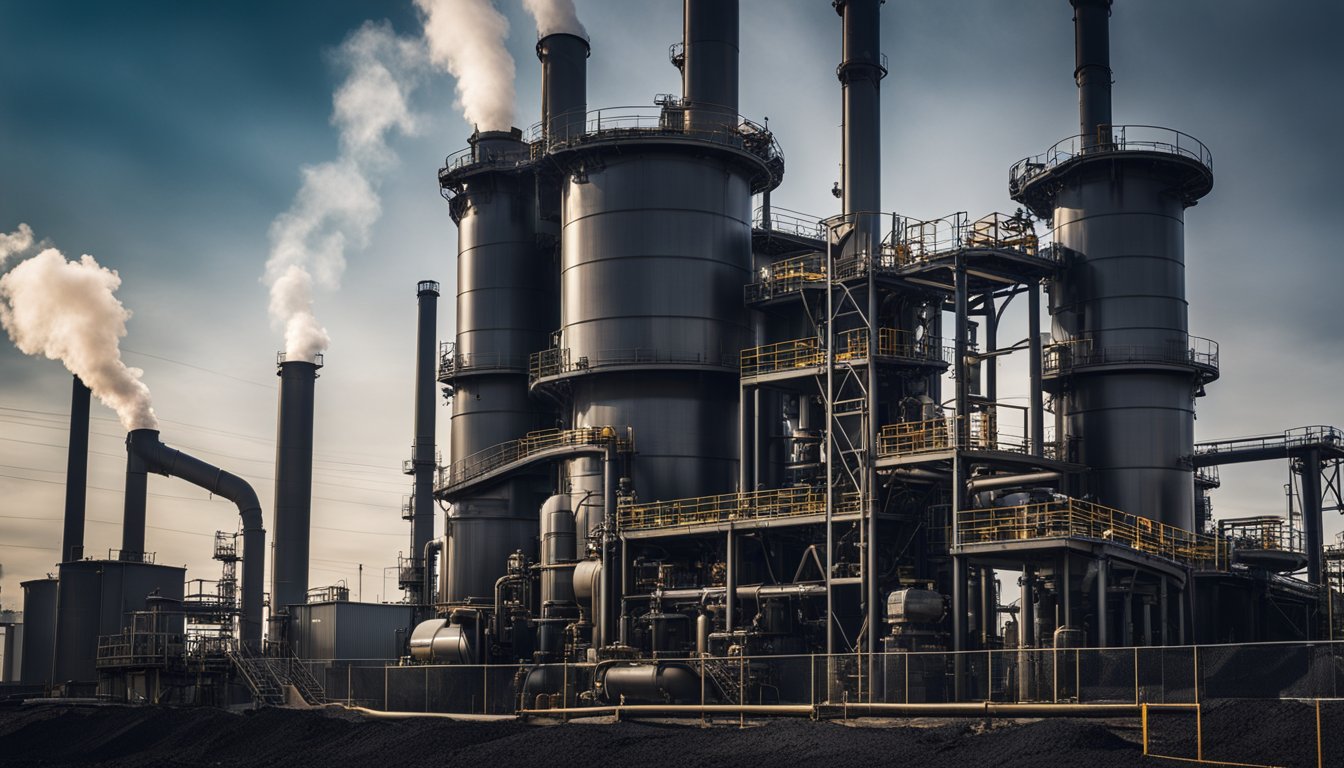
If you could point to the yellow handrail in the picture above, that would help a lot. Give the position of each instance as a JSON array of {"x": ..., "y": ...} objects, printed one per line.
[{"x": 703, "y": 510}]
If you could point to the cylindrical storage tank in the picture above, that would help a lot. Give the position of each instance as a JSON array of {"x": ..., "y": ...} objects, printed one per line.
[
  {"x": 39, "y": 631},
  {"x": 505, "y": 311},
  {"x": 1120, "y": 307},
  {"x": 657, "y": 683},
  {"x": 557, "y": 547},
  {"x": 655, "y": 249}
]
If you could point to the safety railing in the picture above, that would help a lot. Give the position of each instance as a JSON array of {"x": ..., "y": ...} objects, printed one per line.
[
  {"x": 614, "y": 123},
  {"x": 135, "y": 648},
  {"x": 788, "y": 276},
  {"x": 789, "y": 222},
  {"x": 939, "y": 434},
  {"x": 534, "y": 442},
  {"x": 1298, "y": 437},
  {"x": 511, "y": 157},
  {"x": 705, "y": 510},
  {"x": 782, "y": 356},
  {"x": 557, "y": 361},
  {"x": 892, "y": 342},
  {"x": 1065, "y": 517},
  {"x": 453, "y": 362},
  {"x": 1064, "y": 356},
  {"x": 1114, "y": 138},
  {"x": 1265, "y": 533},
  {"x": 1001, "y": 231}
]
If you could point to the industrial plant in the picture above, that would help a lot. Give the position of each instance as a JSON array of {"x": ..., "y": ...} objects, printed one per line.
[{"x": 708, "y": 455}]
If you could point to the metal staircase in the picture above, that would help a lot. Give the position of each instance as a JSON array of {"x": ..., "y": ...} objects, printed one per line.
[
  {"x": 266, "y": 675},
  {"x": 725, "y": 679}
]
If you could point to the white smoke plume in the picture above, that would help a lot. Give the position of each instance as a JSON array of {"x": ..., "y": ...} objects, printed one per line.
[
  {"x": 555, "y": 16},
  {"x": 337, "y": 203},
  {"x": 15, "y": 242},
  {"x": 466, "y": 38},
  {"x": 68, "y": 311}
]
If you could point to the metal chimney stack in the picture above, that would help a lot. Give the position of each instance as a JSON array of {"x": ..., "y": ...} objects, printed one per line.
[
  {"x": 422, "y": 458},
  {"x": 76, "y": 473},
  {"x": 860, "y": 72},
  {"x": 133, "y": 509},
  {"x": 564, "y": 84},
  {"x": 293, "y": 482},
  {"x": 1092, "y": 67},
  {"x": 709, "y": 75}
]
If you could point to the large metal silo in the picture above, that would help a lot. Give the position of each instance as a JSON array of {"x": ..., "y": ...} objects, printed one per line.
[{"x": 505, "y": 301}]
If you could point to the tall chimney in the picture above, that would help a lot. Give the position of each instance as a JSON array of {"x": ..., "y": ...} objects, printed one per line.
[
  {"x": 426, "y": 391},
  {"x": 860, "y": 73},
  {"x": 133, "y": 509},
  {"x": 709, "y": 75},
  {"x": 153, "y": 456},
  {"x": 564, "y": 84},
  {"x": 1092, "y": 66},
  {"x": 293, "y": 482},
  {"x": 76, "y": 473}
]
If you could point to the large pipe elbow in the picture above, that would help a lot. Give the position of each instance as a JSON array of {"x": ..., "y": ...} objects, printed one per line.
[{"x": 157, "y": 457}]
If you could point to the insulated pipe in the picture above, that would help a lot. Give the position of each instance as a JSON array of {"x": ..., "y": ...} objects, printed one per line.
[
  {"x": 606, "y": 601},
  {"x": 976, "y": 484},
  {"x": 133, "y": 508},
  {"x": 156, "y": 457},
  {"x": 860, "y": 73},
  {"x": 1036, "y": 408},
  {"x": 293, "y": 483},
  {"x": 1092, "y": 66},
  {"x": 76, "y": 473},
  {"x": 1310, "y": 467},
  {"x": 433, "y": 549},
  {"x": 422, "y": 453},
  {"x": 709, "y": 76},
  {"x": 564, "y": 84}
]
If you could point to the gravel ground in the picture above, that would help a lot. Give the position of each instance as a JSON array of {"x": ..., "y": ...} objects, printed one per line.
[{"x": 162, "y": 736}]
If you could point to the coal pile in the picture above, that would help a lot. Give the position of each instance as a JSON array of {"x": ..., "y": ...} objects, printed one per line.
[{"x": 161, "y": 736}]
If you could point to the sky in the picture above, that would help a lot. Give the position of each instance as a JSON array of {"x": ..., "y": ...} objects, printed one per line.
[{"x": 164, "y": 138}]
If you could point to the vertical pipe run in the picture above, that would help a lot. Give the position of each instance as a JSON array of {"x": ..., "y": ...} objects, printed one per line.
[
  {"x": 422, "y": 454},
  {"x": 76, "y": 473},
  {"x": 1103, "y": 598},
  {"x": 1036, "y": 408},
  {"x": 293, "y": 483},
  {"x": 709, "y": 76},
  {"x": 1310, "y": 467},
  {"x": 133, "y": 509},
  {"x": 1092, "y": 67}
]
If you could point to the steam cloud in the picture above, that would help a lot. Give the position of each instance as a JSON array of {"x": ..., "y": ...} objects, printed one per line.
[
  {"x": 15, "y": 242},
  {"x": 466, "y": 37},
  {"x": 554, "y": 16},
  {"x": 337, "y": 202},
  {"x": 67, "y": 311}
]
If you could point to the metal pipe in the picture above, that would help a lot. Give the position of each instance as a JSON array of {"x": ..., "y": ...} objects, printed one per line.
[
  {"x": 605, "y": 601},
  {"x": 970, "y": 709},
  {"x": 76, "y": 473},
  {"x": 423, "y": 458},
  {"x": 730, "y": 582},
  {"x": 989, "y": 482},
  {"x": 431, "y": 595},
  {"x": 1103, "y": 619},
  {"x": 1092, "y": 66},
  {"x": 157, "y": 457},
  {"x": 1036, "y": 408},
  {"x": 133, "y": 508},
  {"x": 709, "y": 79},
  {"x": 860, "y": 73},
  {"x": 1314, "y": 539},
  {"x": 293, "y": 483},
  {"x": 564, "y": 84}
]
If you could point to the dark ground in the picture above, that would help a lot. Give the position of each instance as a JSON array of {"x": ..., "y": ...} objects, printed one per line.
[{"x": 159, "y": 736}]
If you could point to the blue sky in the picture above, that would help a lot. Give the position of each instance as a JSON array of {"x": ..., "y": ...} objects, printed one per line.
[{"x": 164, "y": 137}]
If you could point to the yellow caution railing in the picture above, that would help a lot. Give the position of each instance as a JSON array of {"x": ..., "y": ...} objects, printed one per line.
[
  {"x": 891, "y": 342},
  {"x": 705, "y": 510},
  {"x": 782, "y": 356},
  {"x": 938, "y": 434},
  {"x": 532, "y": 443},
  {"x": 1071, "y": 518}
]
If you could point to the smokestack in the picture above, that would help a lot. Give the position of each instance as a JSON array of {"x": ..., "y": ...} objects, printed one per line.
[
  {"x": 1092, "y": 66},
  {"x": 564, "y": 84},
  {"x": 709, "y": 75},
  {"x": 133, "y": 509},
  {"x": 861, "y": 71},
  {"x": 293, "y": 482},
  {"x": 422, "y": 458},
  {"x": 154, "y": 456},
  {"x": 76, "y": 473}
]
